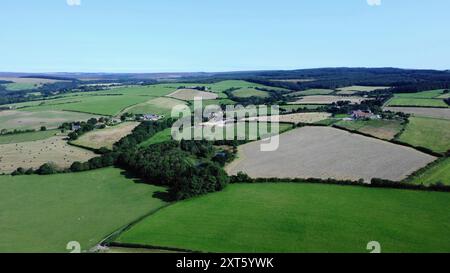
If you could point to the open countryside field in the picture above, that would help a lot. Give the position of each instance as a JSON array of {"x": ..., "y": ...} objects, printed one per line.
[
  {"x": 26, "y": 137},
  {"x": 191, "y": 94},
  {"x": 438, "y": 173},
  {"x": 158, "y": 106},
  {"x": 324, "y": 152},
  {"x": 433, "y": 98},
  {"x": 106, "y": 137},
  {"x": 293, "y": 118},
  {"x": 422, "y": 111},
  {"x": 312, "y": 92},
  {"x": 33, "y": 154},
  {"x": 25, "y": 83},
  {"x": 384, "y": 129},
  {"x": 293, "y": 107},
  {"x": 295, "y": 218},
  {"x": 250, "y": 92},
  {"x": 23, "y": 120},
  {"x": 327, "y": 99},
  {"x": 430, "y": 133},
  {"x": 44, "y": 213},
  {"x": 350, "y": 90},
  {"x": 163, "y": 136}
]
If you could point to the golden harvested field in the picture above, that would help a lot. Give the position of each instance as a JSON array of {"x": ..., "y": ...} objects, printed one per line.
[
  {"x": 106, "y": 137},
  {"x": 422, "y": 111},
  {"x": 293, "y": 118},
  {"x": 350, "y": 90},
  {"x": 325, "y": 152},
  {"x": 35, "y": 153},
  {"x": 190, "y": 94},
  {"x": 327, "y": 99}
]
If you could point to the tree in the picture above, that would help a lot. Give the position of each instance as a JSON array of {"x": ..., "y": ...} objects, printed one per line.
[
  {"x": 47, "y": 168},
  {"x": 43, "y": 128}
]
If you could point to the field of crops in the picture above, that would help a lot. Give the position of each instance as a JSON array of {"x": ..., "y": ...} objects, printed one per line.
[
  {"x": 293, "y": 118},
  {"x": 44, "y": 213},
  {"x": 33, "y": 154},
  {"x": 300, "y": 218},
  {"x": 324, "y": 152},
  {"x": 430, "y": 133},
  {"x": 106, "y": 137},
  {"x": 191, "y": 94},
  {"x": 384, "y": 129},
  {"x": 312, "y": 92},
  {"x": 350, "y": 90},
  {"x": 422, "y": 111},
  {"x": 23, "y": 120}
]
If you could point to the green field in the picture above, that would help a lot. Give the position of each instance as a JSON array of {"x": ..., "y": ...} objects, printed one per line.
[
  {"x": 293, "y": 107},
  {"x": 439, "y": 172},
  {"x": 163, "y": 136},
  {"x": 385, "y": 129},
  {"x": 158, "y": 106},
  {"x": 433, "y": 98},
  {"x": 300, "y": 218},
  {"x": 44, "y": 213},
  {"x": 20, "y": 86},
  {"x": 26, "y": 137},
  {"x": 430, "y": 133},
  {"x": 250, "y": 92}
]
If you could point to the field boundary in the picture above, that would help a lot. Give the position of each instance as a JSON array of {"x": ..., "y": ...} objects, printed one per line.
[{"x": 151, "y": 247}]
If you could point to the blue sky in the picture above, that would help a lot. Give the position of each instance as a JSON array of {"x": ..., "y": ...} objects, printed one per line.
[{"x": 221, "y": 35}]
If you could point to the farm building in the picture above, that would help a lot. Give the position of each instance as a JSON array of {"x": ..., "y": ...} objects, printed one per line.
[
  {"x": 359, "y": 114},
  {"x": 151, "y": 117}
]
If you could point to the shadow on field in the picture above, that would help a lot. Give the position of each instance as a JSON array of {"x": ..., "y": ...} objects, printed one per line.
[{"x": 164, "y": 196}]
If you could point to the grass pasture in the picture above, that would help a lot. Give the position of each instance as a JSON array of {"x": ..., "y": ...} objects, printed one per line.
[
  {"x": 437, "y": 173},
  {"x": 430, "y": 133},
  {"x": 33, "y": 154},
  {"x": 158, "y": 106},
  {"x": 23, "y": 120},
  {"x": 163, "y": 136},
  {"x": 325, "y": 152},
  {"x": 26, "y": 137},
  {"x": 384, "y": 129},
  {"x": 433, "y": 98},
  {"x": 106, "y": 137},
  {"x": 44, "y": 213},
  {"x": 294, "y": 218},
  {"x": 250, "y": 92}
]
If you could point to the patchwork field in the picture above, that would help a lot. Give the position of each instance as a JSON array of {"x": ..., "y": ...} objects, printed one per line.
[
  {"x": 443, "y": 113},
  {"x": 33, "y": 154},
  {"x": 293, "y": 118},
  {"x": 190, "y": 94},
  {"x": 44, "y": 213},
  {"x": 106, "y": 137},
  {"x": 324, "y": 152},
  {"x": 23, "y": 120},
  {"x": 250, "y": 92},
  {"x": 25, "y": 137},
  {"x": 350, "y": 90},
  {"x": 25, "y": 83},
  {"x": 430, "y": 133},
  {"x": 385, "y": 129},
  {"x": 327, "y": 99},
  {"x": 296, "y": 218}
]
